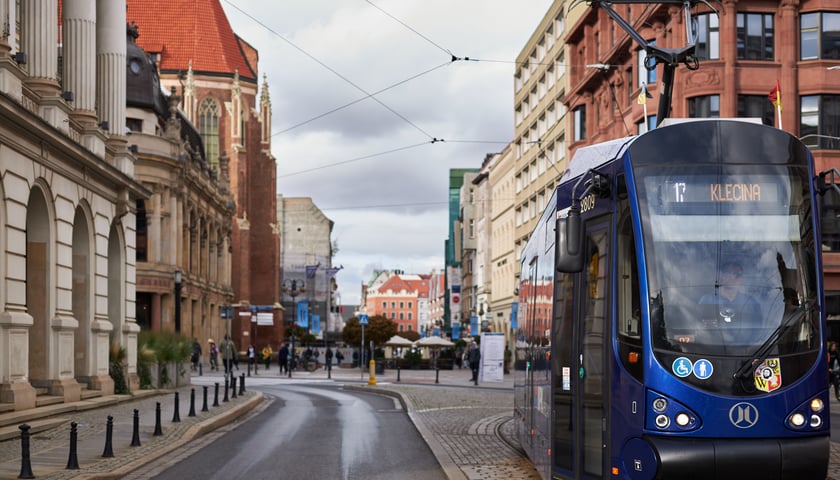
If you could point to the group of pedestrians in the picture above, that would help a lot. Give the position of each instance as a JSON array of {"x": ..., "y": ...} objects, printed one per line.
[{"x": 286, "y": 358}]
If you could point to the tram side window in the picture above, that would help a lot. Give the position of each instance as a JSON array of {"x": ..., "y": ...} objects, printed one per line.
[{"x": 629, "y": 315}]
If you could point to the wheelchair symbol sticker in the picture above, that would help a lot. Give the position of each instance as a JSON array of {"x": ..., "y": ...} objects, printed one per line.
[
  {"x": 682, "y": 367},
  {"x": 703, "y": 369}
]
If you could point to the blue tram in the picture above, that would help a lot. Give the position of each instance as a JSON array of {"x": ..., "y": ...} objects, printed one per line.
[{"x": 671, "y": 311}]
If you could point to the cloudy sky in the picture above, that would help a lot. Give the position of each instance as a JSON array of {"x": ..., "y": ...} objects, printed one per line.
[{"x": 361, "y": 89}]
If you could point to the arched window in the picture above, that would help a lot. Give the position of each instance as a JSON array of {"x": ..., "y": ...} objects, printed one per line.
[{"x": 208, "y": 127}]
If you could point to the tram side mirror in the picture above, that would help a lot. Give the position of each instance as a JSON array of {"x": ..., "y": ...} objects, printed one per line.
[{"x": 568, "y": 241}]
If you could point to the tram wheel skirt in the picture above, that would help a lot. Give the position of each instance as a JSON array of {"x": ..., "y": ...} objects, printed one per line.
[{"x": 723, "y": 459}]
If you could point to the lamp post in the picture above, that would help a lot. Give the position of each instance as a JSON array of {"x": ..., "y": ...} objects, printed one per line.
[
  {"x": 178, "y": 280},
  {"x": 293, "y": 288}
]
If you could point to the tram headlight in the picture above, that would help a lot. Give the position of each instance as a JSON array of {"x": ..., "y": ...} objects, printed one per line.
[
  {"x": 817, "y": 405},
  {"x": 797, "y": 419},
  {"x": 662, "y": 421},
  {"x": 682, "y": 419},
  {"x": 816, "y": 421},
  {"x": 659, "y": 405}
]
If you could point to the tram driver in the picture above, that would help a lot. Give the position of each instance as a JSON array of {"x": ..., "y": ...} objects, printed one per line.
[{"x": 734, "y": 304}]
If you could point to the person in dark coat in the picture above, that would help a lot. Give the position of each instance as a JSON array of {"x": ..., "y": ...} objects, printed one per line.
[
  {"x": 834, "y": 368},
  {"x": 283, "y": 358},
  {"x": 474, "y": 359},
  {"x": 329, "y": 356}
]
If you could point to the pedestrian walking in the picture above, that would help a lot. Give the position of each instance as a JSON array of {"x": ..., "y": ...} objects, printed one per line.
[
  {"x": 283, "y": 358},
  {"x": 228, "y": 353},
  {"x": 214, "y": 355},
  {"x": 266, "y": 355},
  {"x": 474, "y": 359},
  {"x": 834, "y": 368},
  {"x": 196, "y": 354},
  {"x": 252, "y": 357},
  {"x": 329, "y": 356}
]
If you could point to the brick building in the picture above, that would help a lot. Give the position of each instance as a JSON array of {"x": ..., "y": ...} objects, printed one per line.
[{"x": 215, "y": 73}]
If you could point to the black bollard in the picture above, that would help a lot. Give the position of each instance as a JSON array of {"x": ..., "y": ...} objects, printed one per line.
[
  {"x": 437, "y": 373},
  {"x": 216, "y": 396},
  {"x": 204, "y": 405},
  {"x": 227, "y": 386},
  {"x": 192, "y": 403},
  {"x": 200, "y": 369},
  {"x": 249, "y": 369},
  {"x": 176, "y": 415},
  {"x": 232, "y": 386},
  {"x": 109, "y": 438},
  {"x": 135, "y": 436},
  {"x": 398, "y": 373},
  {"x": 25, "y": 464},
  {"x": 73, "y": 459},
  {"x": 329, "y": 369},
  {"x": 476, "y": 379},
  {"x": 242, "y": 384},
  {"x": 158, "y": 429}
]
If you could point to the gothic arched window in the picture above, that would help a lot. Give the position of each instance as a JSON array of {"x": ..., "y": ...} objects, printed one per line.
[{"x": 208, "y": 127}]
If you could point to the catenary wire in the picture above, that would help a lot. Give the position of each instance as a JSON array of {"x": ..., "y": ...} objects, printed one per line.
[{"x": 335, "y": 72}]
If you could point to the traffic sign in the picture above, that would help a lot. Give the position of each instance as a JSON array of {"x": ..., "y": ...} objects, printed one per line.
[{"x": 363, "y": 319}]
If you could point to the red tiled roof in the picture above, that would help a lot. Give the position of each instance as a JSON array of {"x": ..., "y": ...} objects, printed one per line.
[{"x": 189, "y": 30}]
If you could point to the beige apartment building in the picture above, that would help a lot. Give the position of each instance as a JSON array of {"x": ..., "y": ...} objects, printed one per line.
[
  {"x": 539, "y": 149},
  {"x": 502, "y": 261}
]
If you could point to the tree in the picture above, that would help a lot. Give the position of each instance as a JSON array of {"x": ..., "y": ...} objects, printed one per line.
[
  {"x": 379, "y": 330},
  {"x": 412, "y": 335}
]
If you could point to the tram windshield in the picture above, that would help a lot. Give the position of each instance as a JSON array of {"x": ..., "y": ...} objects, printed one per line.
[{"x": 729, "y": 257}]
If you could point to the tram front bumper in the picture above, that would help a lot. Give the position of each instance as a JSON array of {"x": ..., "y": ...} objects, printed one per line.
[{"x": 801, "y": 458}]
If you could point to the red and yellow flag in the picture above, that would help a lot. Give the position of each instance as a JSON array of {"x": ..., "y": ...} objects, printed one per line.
[{"x": 776, "y": 96}]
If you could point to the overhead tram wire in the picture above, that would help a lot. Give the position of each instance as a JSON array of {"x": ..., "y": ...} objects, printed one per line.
[
  {"x": 386, "y": 152},
  {"x": 319, "y": 62},
  {"x": 364, "y": 157},
  {"x": 342, "y": 107}
]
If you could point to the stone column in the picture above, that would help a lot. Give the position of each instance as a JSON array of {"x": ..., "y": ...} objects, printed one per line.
[
  {"x": 110, "y": 64},
  {"x": 79, "y": 76},
  {"x": 39, "y": 40}
]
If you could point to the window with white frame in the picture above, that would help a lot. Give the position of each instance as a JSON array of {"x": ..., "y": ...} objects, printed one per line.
[
  {"x": 708, "y": 36},
  {"x": 541, "y": 164},
  {"x": 518, "y": 115},
  {"x": 580, "y": 123},
  {"x": 549, "y": 77},
  {"x": 560, "y": 65},
  {"x": 551, "y": 114},
  {"x": 646, "y": 76},
  {"x": 541, "y": 87},
  {"x": 560, "y": 24}
]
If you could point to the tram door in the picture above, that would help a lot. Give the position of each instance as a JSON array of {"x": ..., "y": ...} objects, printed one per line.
[{"x": 579, "y": 367}]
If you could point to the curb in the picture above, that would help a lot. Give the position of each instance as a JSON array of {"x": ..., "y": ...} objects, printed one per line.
[{"x": 192, "y": 432}]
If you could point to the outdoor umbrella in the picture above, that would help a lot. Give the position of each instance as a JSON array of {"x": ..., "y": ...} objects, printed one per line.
[{"x": 398, "y": 341}]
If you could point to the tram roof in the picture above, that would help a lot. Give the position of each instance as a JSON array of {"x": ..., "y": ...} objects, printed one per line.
[{"x": 593, "y": 156}]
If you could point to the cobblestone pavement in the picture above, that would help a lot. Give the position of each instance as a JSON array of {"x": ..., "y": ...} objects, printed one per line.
[
  {"x": 50, "y": 449},
  {"x": 469, "y": 428}
]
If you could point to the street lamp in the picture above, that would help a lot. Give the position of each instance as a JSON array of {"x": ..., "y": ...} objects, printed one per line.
[
  {"x": 293, "y": 288},
  {"x": 178, "y": 280}
]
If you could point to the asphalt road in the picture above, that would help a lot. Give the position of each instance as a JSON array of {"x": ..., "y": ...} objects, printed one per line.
[{"x": 312, "y": 431}]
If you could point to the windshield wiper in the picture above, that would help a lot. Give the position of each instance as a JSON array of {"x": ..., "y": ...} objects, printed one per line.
[{"x": 790, "y": 319}]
